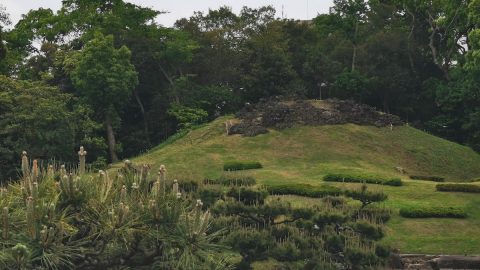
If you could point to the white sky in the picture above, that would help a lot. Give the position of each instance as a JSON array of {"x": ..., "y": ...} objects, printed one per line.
[{"x": 294, "y": 9}]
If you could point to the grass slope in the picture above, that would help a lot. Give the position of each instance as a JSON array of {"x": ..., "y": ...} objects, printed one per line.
[{"x": 305, "y": 154}]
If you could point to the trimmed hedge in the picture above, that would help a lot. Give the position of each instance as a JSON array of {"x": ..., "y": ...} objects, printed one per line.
[
  {"x": 458, "y": 188},
  {"x": 241, "y": 165},
  {"x": 427, "y": 178},
  {"x": 231, "y": 181},
  {"x": 433, "y": 212},
  {"x": 362, "y": 179},
  {"x": 304, "y": 190}
]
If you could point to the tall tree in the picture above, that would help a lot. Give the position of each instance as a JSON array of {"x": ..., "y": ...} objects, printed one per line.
[{"x": 105, "y": 78}]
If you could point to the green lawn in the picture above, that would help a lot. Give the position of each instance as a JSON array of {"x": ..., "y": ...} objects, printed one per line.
[{"x": 305, "y": 154}]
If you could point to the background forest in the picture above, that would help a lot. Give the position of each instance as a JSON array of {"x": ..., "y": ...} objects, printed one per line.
[{"x": 104, "y": 75}]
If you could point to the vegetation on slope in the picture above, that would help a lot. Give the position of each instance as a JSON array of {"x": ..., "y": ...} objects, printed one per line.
[{"x": 306, "y": 154}]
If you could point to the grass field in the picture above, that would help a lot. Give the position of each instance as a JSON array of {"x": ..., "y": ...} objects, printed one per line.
[{"x": 305, "y": 154}]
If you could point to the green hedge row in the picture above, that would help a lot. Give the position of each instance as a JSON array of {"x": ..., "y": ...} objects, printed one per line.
[
  {"x": 459, "y": 188},
  {"x": 231, "y": 181},
  {"x": 304, "y": 190},
  {"x": 241, "y": 165},
  {"x": 362, "y": 179},
  {"x": 427, "y": 178},
  {"x": 433, "y": 212}
]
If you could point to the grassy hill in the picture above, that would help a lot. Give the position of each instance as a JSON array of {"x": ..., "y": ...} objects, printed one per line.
[{"x": 304, "y": 154}]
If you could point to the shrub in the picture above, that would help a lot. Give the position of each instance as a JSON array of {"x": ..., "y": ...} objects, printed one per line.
[
  {"x": 366, "y": 197},
  {"x": 209, "y": 196},
  {"x": 356, "y": 258},
  {"x": 334, "y": 243},
  {"x": 459, "y": 188},
  {"x": 428, "y": 178},
  {"x": 325, "y": 218},
  {"x": 368, "y": 230},
  {"x": 248, "y": 196},
  {"x": 381, "y": 215},
  {"x": 433, "y": 212},
  {"x": 188, "y": 185},
  {"x": 382, "y": 251},
  {"x": 241, "y": 165},
  {"x": 334, "y": 201},
  {"x": 368, "y": 179},
  {"x": 304, "y": 190},
  {"x": 231, "y": 181},
  {"x": 286, "y": 251}
]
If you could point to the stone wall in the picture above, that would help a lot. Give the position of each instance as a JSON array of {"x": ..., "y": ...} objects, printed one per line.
[{"x": 281, "y": 113}]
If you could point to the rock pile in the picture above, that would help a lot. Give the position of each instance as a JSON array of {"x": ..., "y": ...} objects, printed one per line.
[{"x": 281, "y": 113}]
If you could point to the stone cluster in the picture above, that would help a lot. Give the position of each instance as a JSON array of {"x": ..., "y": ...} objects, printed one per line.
[{"x": 279, "y": 113}]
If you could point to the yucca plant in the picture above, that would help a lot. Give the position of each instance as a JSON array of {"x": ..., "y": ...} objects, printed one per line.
[{"x": 59, "y": 219}]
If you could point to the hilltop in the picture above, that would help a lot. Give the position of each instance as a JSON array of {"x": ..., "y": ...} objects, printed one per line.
[{"x": 305, "y": 154}]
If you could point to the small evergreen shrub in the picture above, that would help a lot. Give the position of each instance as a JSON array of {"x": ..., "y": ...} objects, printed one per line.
[
  {"x": 209, "y": 196},
  {"x": 357, "y": 256},
  {"x": 286, "y": 251},
  {"x": 427, "y": 178},
  {"x": 241, "y": 165},
  {"x": 433, "y": 212},
  {"x": 188, "y": 185},
  {"x": 334, "y": 243},
  {"x": 248, "y": 196},
  {"x": 368, "y": 179},
  {"x": 382, "y": 251},
  {"x": 368, "y": 230},
  {"x": 231, "y": 181},
  {"x": 366, "y": 197},
  {"x": 459, "y": 188},
  {"x": 381, "y": 215},
  {"x": 304, "y": 190},
  {"x": 334, "y": 201}
]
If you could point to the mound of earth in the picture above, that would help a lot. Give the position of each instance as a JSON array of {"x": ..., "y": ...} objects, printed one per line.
[{"x": 281, "y": 113}]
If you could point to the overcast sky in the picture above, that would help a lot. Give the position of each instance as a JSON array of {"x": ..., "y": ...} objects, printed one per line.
[{"x": 295, "y": 9}]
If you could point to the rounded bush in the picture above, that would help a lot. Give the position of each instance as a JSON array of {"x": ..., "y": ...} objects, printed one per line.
[
  {"x": 458, "y": 188},
  {"x": 433, "y": 212}
]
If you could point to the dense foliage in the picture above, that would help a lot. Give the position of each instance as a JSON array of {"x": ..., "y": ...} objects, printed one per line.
[
  {"x": 433, "y": 212},
  {"x": 458, "y": 188},
  {"x": 241, "y": 165},
  {"x": 361, "y": 178},
  {"x": 417, "y": 59},
  {"x": 59, "y": 219}
]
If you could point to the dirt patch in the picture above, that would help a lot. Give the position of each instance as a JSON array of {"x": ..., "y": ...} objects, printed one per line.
[{"x": 279, "y": 113}]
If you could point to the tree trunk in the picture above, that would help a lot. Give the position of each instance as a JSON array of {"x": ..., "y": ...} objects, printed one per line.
[
  {"x": 110, "y": 138},
  {"x": 354, "y": 55},
  {"x": 144, "y": 116}
]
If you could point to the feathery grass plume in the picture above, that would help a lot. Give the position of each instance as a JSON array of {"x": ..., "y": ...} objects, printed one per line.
[
  {"x": 5, "y": 222},
  {"x": 35, "y": 170},
  {"x": 31, "y": 220},
  {"x": 175, "y": 186},
  {"x": 123, "y": 211},
  {"x": 20, "y": 253},
  {"x": 163, "y": 175},
  {"x": 123, "y": 194},
  {"x": 35, "y": 190},
  {"x": 179, "y": 195},
  {"x": 25, "y": 166},
  {"x": 51, "y": 212},
  {"x": 144, "y": 172},
  {"x": 81, "y": 156},
  {"x": 3, "y": 193},
  {"x": 106, "y": 186},
  {"x": 44, "y": 235},
  {"x": 50, "y": 171},
  {"x": 63, "y": 171},
  {"x": 156, "y": 190}
]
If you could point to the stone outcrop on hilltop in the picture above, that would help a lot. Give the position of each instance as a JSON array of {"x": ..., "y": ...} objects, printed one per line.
[{"x": 281, "y": 113}]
